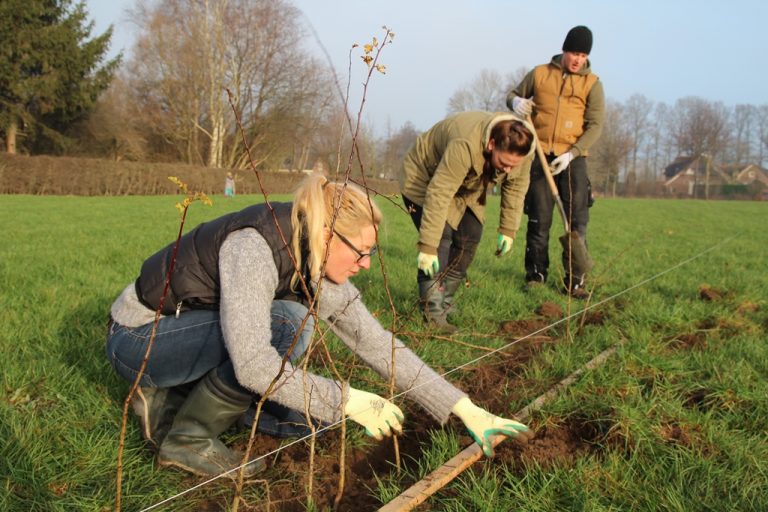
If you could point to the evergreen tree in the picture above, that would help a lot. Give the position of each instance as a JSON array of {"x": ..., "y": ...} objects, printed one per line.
[{"x": 51, "y": 73}]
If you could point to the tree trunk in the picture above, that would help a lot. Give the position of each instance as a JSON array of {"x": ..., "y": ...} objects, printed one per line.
[
  {"x": 216, "y": 145},
  {"x": 10, "y": 137}
]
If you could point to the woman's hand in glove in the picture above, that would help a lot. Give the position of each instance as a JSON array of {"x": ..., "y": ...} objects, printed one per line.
[
  {"x": 378, "y": 415},
  {"x": 482, "y": 425}
]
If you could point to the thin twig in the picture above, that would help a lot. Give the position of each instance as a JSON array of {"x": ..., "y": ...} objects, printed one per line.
[{"x": 139, "y": 375}]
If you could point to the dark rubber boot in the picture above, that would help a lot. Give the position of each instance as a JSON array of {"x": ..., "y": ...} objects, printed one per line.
[{"x": 192, "y": 443}]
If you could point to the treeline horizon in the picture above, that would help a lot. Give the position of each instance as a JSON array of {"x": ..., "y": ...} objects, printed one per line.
[{"x": 235, "y": 85}]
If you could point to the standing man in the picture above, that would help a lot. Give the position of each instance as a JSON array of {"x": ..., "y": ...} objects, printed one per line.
[
  {"x": 567, "y": 104},
  {"x": 445, "y": 180}
]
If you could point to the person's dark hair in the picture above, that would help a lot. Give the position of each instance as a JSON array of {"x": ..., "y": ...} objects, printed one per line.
[{"x": 512, "y": 136}]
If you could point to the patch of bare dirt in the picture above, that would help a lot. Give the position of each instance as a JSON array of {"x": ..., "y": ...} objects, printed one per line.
[
  {"x": 550, "y": 310},
  {"x": 562, "y": 444},
  {"x": 500, "y": 371},
  {"x": 726, "y": 327},
  {"x": 697, "y": 399},
  {"x": 747, "y": 307},
  {"x": 677, "y": 433},
  {"x": 521, "y": 328},
  {"x": 688, "y": 341},
  {"x": 710, "y": 294},
  {"x": 595, "y": 317},
  {"x": 288, "y": 471}
]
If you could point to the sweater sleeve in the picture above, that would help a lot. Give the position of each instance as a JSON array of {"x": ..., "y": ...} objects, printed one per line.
[
  {"x": 249, "y": 279},
  {"x": 341, "y": 306}
]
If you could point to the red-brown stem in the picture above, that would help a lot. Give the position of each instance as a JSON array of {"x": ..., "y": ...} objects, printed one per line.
[{"x": 127, "y": 402}]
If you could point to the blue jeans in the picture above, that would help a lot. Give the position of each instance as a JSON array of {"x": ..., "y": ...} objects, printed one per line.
[{"x": 188, "y": 347}]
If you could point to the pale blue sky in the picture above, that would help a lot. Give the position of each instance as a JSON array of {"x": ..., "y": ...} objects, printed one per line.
[{"x": 663, "y": 49}]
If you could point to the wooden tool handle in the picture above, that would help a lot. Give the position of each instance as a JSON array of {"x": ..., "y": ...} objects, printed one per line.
[{"x": 550, "y": 179}]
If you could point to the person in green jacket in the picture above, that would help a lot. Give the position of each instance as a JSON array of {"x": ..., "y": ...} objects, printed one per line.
[
  {"x": 444, "y": 182},
  {"x": 567, "y": 104}
]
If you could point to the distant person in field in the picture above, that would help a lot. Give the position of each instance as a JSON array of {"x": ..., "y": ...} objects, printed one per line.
[
  {"x": 444, "y": 181},
  {"x": 234, "y": 316},
  {"x": 229, "y": 185},
  {"x": 567, "y": 104}
]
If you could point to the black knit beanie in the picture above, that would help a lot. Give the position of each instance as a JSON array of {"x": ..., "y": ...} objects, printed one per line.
[{"x": 578, "y": 40}]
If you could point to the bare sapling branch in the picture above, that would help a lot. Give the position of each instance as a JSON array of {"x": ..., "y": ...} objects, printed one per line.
[{"x": 183, "y": 206}]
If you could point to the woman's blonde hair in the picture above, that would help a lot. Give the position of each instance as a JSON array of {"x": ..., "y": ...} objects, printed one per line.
[{"x": 315, "y": 203}]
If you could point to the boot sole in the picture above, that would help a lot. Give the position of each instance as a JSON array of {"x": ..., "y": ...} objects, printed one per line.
[{"x": 259, "y": 466}]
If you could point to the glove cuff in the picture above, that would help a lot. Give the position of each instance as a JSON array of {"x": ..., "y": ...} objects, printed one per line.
[{"x": 464, "y": 407}]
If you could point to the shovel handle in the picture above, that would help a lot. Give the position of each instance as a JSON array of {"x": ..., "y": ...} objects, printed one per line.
[{"x": 550, "y": 179}]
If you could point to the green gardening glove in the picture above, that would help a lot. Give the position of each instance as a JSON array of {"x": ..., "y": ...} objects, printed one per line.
[
  {"x": 503, "y": 244},
  {"x": 482, "y": 425}
]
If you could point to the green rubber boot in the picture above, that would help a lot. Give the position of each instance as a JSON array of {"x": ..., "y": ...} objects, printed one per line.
[
  {"x": 192, "y": 443},
  {"x": 155, "y": 409},
  {"x": 431, "y": 299},
  {"x": 450, "y": 287}
]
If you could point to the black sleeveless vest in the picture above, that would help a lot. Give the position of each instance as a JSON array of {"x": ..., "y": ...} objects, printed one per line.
[{"x": 195, "y": 280}]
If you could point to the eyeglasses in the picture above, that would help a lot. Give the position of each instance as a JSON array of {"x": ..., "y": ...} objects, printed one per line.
[{"x": 360, "y": 255}]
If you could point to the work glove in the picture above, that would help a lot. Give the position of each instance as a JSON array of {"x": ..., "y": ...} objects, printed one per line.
[
  {"x": 560, "y": 163},
  {"x": 378, "y": 415},
  {"x": 503, "y": 244},
  {"x": 523, "y": 107},
  {"x": 428, "y": 264},
  {"x": 482, "y": 425}
]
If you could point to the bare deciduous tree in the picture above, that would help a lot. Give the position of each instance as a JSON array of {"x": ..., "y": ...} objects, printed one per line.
[
  {"x": 659, "y": 149},
  {"x": 741, "y": 128},
  {"x": 113, "y": 129},
  {"x": 698, "y": 126},
  {"x": 191, "y": 52},
  {"x": 611, "y": 150},
  {"x": 636, "y": 114},
  {"x": 396, "y": 145},
  {"x": 488, "y": 91},
  {"x": 761, "y": 124}
]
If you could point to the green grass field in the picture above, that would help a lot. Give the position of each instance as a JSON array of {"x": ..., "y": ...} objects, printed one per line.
[{"x": 676, "y": 420}]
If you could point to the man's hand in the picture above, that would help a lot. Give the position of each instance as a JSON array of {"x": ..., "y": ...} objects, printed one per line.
[
  {"x": 523, "y": 107},
  {"x": 482, "y": 425},
  {"x": 378, "y": 415},
  {"x": 428, "y": 264},
  {"x": 560, "y": 163},
  {"x": 503, "y": 244}
]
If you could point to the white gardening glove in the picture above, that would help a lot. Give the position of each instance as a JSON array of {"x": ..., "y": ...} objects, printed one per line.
[
  {"x": 378, "y": 415},
  {"x": 503, "y": 244},
  {"x": 482, "y": 425},
  {"x": 560, "y": 163},
  {"x": 523, "y": 107},
  {"x": 428, "y": 264}
]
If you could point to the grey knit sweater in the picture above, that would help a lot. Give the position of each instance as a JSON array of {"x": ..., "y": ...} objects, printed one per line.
[{"x": 248, "y": 283}]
